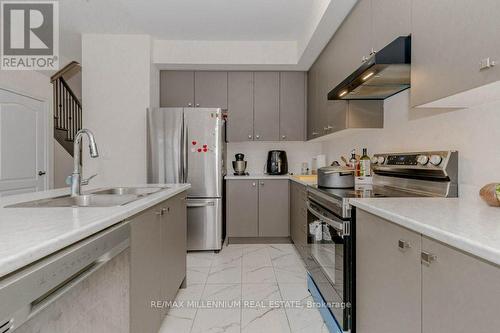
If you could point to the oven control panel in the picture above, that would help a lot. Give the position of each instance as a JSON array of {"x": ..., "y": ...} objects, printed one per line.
[
  {"x": 431, "y": 160},
  {"x": 429, "y": 165}
]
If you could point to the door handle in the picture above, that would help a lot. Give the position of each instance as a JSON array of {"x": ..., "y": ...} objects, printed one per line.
[
  {"x": 403, "y": 245},
  {"x": 41, "y": 173},
  {"x": 427, "y": 258}
]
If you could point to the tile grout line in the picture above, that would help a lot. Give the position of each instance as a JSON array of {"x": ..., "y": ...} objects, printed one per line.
[
  {"x": 281, "y": 295},
  {"x": 202, "y": 292}
]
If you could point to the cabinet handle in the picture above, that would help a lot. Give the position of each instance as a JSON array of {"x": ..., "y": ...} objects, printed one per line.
[
  {"x": 427, "y": 258},
  {"x": 254, "y": 184},
  {"x": 162, "y": 211},
  {"x": 283, "y": 137},
  {"x": 315, "y": 133},
  {"x": 257, "y": 136},
  {"x": 249, "y": 136},
  {"x": 190, "y": 104},
  {"x": 403, "y": 245},
  {"x": 261, "y": 183},
  {"x": 197, "y": 105}
]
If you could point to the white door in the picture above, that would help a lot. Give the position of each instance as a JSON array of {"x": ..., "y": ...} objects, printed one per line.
[{"x": 22, "y": 144}]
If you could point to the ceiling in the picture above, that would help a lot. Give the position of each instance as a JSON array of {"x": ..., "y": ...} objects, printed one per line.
[{"x": 296, "y": 21}]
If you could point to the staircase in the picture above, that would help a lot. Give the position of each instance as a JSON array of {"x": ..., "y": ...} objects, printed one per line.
[{"x": 67, "y": 107}]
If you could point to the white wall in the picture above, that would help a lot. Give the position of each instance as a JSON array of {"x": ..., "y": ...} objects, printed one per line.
[
  {"x": 256, "y": 154},
  {"x": 63, "y": 165},
  {"x": 474, "y": 132},
  {"x": 116, "y": 93},
  {"x": 37, "y": 85}
]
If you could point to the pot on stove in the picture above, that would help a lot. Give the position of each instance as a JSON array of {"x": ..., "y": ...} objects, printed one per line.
[{"x": 335, "y": 177}]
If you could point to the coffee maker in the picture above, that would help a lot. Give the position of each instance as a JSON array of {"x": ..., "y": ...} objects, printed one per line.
[
  {"x": 277, "y": 163},
  {"x": 239, "y": 165}
]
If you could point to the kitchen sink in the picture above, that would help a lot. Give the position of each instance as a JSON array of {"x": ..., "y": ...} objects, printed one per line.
[
  {"x": 138, "y": 191},
  {"x": 86, "y": 200},
  {"x": 116, "y": 196}
]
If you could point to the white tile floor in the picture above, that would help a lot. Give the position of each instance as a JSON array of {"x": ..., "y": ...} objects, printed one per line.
[{"x": 241, "y": 273}]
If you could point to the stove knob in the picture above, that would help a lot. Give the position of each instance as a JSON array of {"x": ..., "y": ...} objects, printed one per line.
[
  {"x": 381, "y": 159},
  {"x": 436, "y": 160},
  {"x": 422, "y": 159},
  {"x": 374, "y": 160}
]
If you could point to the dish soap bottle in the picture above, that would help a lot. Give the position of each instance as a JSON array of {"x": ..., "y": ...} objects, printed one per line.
[
  {"x": 354, "y": 163},
  {"x": 365, "y": 165}
]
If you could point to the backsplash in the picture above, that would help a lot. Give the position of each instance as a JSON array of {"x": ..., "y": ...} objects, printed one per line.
[
  {"x": 474, "y": 132},
  {"x": 256, "y": 154}
]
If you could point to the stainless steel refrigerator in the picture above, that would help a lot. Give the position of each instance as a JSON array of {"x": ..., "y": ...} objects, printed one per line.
[{"x": 187, "y": 145}]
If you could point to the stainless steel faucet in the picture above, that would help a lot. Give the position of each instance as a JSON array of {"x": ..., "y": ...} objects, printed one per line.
[{"x": 76, "y": 177}]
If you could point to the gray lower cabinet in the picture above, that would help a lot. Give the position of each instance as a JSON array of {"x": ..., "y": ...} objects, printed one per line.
[
  {"x": 158, "y": 245},
  {"x": 407, "y": 282},
  {"x": 266, "y": 106},
  {"x": 240, "y": 107},
  {"x": 242, "y": 214},
  {"x": 257, "y": 208},
  {"x": 387, "y": 277},
  {"x": 298, "y": 213},
  {"x": 174, "y": 235},
  {"x": 273, "y": 208},
  {"x": 460, "y": 293},
  {"x": 449, "y": 40},
  {"x": 210, "y": 89},
  {"x": 145, "y": 275},
  {"x": 177, "y": 89},
  {"x": 292, "y": 110}
]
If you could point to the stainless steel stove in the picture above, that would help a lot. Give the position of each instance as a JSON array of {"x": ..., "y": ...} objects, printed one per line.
[{"x": 330, "y": 252}]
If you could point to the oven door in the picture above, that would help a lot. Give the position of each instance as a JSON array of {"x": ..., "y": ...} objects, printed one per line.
[{"x": 329, "y": 260}]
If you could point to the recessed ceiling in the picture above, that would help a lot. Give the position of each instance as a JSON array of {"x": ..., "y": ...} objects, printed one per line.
[{"x": 198, "y": 20}]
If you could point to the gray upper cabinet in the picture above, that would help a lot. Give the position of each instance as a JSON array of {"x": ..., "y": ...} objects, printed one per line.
[
  {"x": 390, "y": 19},
  {"x": 262, "y": 106},
  {"x": 312, "y": 103},
  {"x": 176, "y": 89},
  {"x": 266, "y": 106},
  {"x": 460, "y": 293},
  {"x": 242, "y": 208},
  {"x": 449, "y": 40},
  {"x": 292, "y": 106},
  {"x": 274, "y": 208},
  {"x": 210, "y": 89},
  {"x": 240, "y": 106},
  {"x": 354, "y": 38}
]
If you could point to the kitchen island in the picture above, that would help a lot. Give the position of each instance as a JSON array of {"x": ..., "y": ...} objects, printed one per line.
[
  {"x": 151, "y": 256},
  {"x": 417, "y": 259}
]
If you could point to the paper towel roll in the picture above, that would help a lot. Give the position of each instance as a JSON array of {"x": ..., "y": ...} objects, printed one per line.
[{"x": 320, "y": 161}]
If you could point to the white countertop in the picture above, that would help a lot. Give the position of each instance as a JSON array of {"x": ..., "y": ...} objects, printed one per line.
[
  {"x": 471, "y": 226},
  {"x": 29, "y": 234},
  {"x": 264, "y": 176}
]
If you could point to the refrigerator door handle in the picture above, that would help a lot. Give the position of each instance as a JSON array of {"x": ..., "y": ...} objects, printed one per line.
[
  {"x": 184, "y": 152},
  {"x": 181, "y": 153},
  {"x": 200, "y": 204}
]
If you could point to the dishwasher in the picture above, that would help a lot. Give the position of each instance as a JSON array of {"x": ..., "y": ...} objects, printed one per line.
[{"x": 29, "y": 290}]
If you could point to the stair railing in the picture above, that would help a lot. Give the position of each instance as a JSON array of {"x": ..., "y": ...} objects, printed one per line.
[{"x": 67, "y": 106}]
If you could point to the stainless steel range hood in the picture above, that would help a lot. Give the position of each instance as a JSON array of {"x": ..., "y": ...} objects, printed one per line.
[{"x": 384, "y": 74}]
